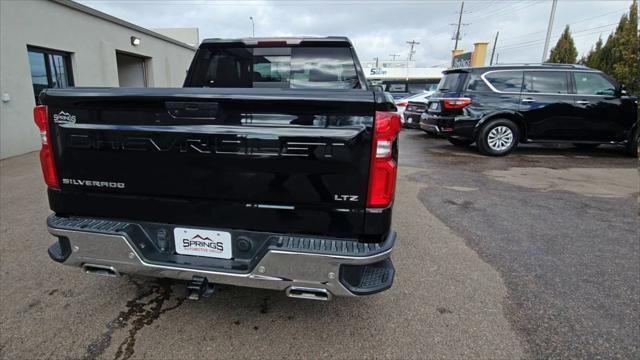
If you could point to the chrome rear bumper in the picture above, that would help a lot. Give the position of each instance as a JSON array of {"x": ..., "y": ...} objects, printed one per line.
[{"x": 279, "y": 269}]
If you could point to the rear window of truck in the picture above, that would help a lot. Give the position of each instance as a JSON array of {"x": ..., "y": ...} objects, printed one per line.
[{"x": 295, "y": 67}]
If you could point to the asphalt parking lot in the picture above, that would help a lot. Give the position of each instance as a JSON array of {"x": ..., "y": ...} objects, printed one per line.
[{"x": 535, "y": 255}]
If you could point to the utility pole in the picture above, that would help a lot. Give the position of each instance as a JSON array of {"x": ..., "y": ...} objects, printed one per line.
[
  {"x": 412, "y": 43},
  {"x": 253, "y": 27},
  {"x": 497, "y": 58},
  {"x": 455, "y": 47},
  {"x": 394, "y": 56},
  {"x": 376, "y": 59},
  {"x": 549, "y": 29},
  {"x": 495, "y": 42}
]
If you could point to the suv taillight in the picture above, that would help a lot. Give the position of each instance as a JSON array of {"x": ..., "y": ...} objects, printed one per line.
[
  {"x": 382, "y": 177},
  {"x": 46, "y": 154},
  {"x": 456, "y": 103}
]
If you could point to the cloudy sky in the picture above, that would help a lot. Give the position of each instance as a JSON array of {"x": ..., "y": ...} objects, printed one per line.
[{"x": 379, "y": 28}]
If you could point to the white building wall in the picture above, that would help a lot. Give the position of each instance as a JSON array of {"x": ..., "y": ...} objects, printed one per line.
[
  {"x": 92, "y": 42},
  {"x": 402, "y": 73},
  {"x": 189, "y": 36}
]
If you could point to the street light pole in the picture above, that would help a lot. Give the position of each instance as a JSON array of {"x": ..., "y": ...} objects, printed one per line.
[
  {"x": 253, "y": 27},
  {"x": 493, "y": 52},
  {"x": 549, "y": 28}
]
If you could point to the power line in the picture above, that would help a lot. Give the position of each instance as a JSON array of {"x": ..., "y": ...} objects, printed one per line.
[
  {"x": 490, "y": 10},
  {"x": 539, "y": 43},
  {"x": 482, "y": 7},
  {"x": 517, "y": 9},
  {"x": 507, "y": 10},
  {"x": 571, "y": 23},
  {"x": 555, "y": 36}
]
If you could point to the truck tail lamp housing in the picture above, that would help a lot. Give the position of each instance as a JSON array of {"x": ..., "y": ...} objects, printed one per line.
[
  {"x": 46, "y": 154},
  {"x": 456, "y": 103},
  {"x": 382, "y": 179}
]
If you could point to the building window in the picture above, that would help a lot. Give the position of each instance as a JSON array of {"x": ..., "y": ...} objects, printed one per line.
[{"x": 49, "y": 69}]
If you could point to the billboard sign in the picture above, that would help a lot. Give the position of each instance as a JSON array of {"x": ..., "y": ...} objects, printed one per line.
[{"x": 462, "y": 60}]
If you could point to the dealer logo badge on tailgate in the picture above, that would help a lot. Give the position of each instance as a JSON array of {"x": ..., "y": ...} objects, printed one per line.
[{"x": 64, "y": 118}]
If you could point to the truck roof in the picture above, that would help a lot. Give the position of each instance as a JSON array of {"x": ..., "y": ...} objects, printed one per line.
[{"x": 282, "y": 41}]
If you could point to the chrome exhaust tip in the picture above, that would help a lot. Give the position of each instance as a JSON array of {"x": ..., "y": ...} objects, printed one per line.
[
  {"x": 308, "y": 293},
  {"x": 100, "y": 270}
]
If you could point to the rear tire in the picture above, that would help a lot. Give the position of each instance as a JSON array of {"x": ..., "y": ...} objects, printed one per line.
[
  {"x": 460, "y": 142},
  {"x": 586, "y": 146},
  {"x": 498, "y": 137}
]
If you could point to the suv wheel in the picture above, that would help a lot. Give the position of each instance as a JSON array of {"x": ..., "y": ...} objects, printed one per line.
[
  {"x": 498, "y": 137},
  {"x": 460, "y": 142}
]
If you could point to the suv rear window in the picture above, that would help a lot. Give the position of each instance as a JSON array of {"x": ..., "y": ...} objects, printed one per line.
[
  {"x": 282, "y": 67},
  {"x": 451, "y": 81},
  {"x": 476, "y": 83}
]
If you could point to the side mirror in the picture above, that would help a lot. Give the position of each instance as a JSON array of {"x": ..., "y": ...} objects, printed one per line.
[{"x": 622, "y": 90}]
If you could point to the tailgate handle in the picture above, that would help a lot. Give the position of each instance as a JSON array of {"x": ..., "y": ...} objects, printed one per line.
[{"x": 191, "y": 109}]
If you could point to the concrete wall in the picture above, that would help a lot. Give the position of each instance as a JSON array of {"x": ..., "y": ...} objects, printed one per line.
[
  {"x": 92, "y": 42},
  {"x": 189, "y": 36}
]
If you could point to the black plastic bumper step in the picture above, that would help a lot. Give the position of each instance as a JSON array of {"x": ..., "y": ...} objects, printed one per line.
[
  {"x": 334, "y": 246},
  {"x": 368, "y": 279},
  {"x": 86, "y": 224}
]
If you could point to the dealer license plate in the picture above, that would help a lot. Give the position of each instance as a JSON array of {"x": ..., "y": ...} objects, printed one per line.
[{"x": 198, "y": 242}]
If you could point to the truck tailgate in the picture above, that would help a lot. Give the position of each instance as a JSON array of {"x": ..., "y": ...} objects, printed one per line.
[{"x": 264, "y": 159}]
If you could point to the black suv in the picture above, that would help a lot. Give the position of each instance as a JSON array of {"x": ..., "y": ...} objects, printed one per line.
[{"x": 498, "y": 107}]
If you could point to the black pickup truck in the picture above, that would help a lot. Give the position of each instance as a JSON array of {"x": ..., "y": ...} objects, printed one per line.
[{"x": 273, "y": 167}]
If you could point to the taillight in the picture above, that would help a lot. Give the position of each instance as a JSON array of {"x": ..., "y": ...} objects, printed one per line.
[
  {"x": 46, "y": 154},
  {"x": 402, "y": 103},
  {"x": 382, "y": 177},
  {"x": 456, "y": 103}
]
